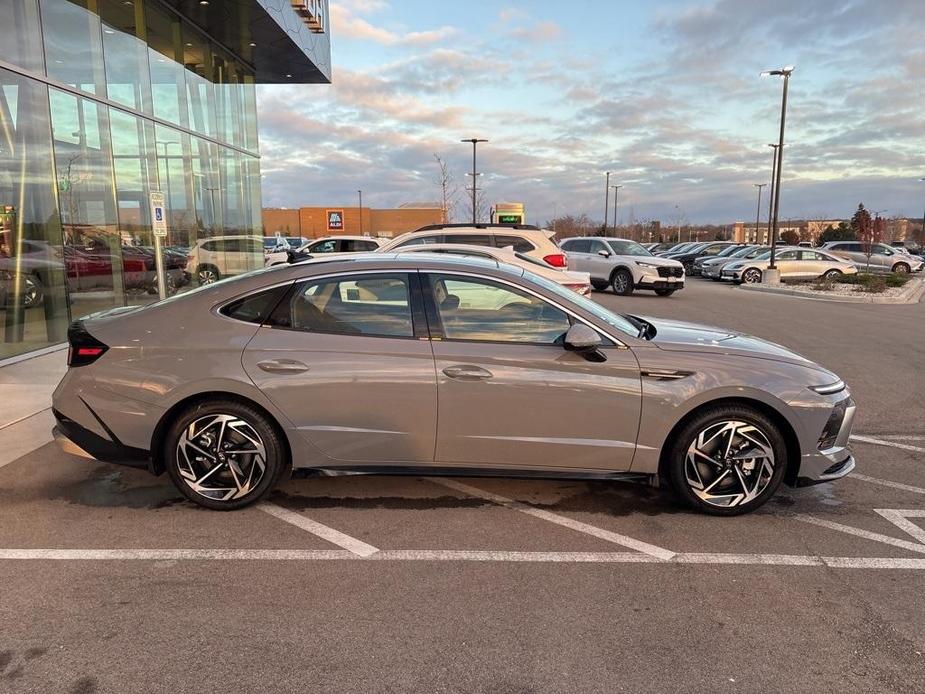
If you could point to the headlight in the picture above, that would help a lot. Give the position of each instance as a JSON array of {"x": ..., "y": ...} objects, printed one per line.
[
  {"x": 829, "y": 388},
  {"x": 649, "y": 265}
]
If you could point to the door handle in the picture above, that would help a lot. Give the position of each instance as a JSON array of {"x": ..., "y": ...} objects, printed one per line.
[
  {"x": 282, "y": 366},
  {"x": 467, "y": 372}
]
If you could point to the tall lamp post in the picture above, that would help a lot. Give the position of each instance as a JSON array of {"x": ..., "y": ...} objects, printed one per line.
[
  {"x": 606, "y": 200},
  {"x": 616, "y": 193},
  {"x": 784, "y": 72},
  {"x": 773, "y": 147},
  {"x": 475, "y": 141},
  {"x": 759, "y": 186},
  {"x": 360, "y": 195},
  {"x": 922, "y": 240}
]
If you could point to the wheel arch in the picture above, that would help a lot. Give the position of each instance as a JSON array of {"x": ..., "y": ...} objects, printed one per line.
[
  {"x": 791, "y": 440},
  {"x": 160, "y": 430},
  {"x": 620, "y": 266}
]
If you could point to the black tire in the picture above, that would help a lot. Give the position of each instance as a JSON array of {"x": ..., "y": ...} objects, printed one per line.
[
  {"x": 33, "y": 291},
  {"x": 832, "y": 274},
  {"x": 274, "y": 458},
  {"x": 599, "y": 285},
  {"x": 622, "y": 282},
  {"x": 752, "y": 276},
  {"x": 676, "y": 458},
  {"x": 902, "y": 268},
  {"x": 207, "y": 274},
  {"x": 665, "y": 292}
]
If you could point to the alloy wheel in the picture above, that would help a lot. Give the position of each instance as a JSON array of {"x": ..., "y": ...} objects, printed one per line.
[
  {"x": 221, "y": 457},
  {"x": 729, "y": 463},
  {"x": 207, "y": 276},
  {"x": 751, "y": 276}
]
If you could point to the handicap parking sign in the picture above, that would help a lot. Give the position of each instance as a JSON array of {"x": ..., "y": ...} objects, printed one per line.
[{"x": 158, "y": 218}]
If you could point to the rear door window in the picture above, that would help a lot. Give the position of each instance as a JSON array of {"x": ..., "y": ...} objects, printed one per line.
[
  {"x": 520, "y": 245},
  {"x": 469, "y": 239}
]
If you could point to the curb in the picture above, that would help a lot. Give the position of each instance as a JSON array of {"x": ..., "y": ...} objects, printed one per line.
[{"x": 910, "y": 295}]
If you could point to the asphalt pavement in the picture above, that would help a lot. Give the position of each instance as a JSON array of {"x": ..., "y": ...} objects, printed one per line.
[{"x": 110, "y": 582}]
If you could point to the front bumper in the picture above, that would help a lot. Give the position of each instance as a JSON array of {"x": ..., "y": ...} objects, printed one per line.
[
  {"x": 734, "y": 275},
  {"x": 831, "y": 463},
  {"x": 670, "y": 283}
]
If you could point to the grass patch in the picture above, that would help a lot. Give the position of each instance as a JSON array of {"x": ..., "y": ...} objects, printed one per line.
[{"x": 875, "y": 284}]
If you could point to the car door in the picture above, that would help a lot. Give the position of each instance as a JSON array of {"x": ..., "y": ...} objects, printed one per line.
[
  {"x": 509, "y": 394},
  {"x": 789, "y": 264},
  {"x": 577, "y": 252},
  {"x": 346, "y": 358},
  {"x": 600, "y": 265}
]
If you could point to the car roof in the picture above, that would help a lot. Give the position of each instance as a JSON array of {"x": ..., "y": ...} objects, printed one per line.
[{"x": 526, "y": 231}]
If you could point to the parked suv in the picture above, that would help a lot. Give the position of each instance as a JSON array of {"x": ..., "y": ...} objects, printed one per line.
[
  {"x": 222, "y": 256},
  {"x": 524, "y": 238},
  {"x": 883, "y": 258},
  {"x": 624, "y": 265},
  {"x": 711, "y": 249},
  {"x": 326, "y": 244}
]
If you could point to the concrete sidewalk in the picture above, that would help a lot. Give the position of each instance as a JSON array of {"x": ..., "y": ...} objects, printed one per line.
[{"x": 25, "y": 403}]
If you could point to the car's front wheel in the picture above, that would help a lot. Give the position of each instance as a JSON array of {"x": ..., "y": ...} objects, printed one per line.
[
  {"x": 727, "y": 460},
  {"x": 832, "y": 274},
  {"x": 751, "y": 276},
  {"x": 622, "y": 282},
  {"x": 223, "y": 454},
  {"x": 901, "y": 268}
]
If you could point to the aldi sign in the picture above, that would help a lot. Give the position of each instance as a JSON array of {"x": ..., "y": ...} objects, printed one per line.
[{"x": 335, "y": 220}]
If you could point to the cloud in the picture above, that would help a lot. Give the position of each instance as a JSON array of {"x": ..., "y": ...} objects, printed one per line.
[{"x": 347, "y": 23}]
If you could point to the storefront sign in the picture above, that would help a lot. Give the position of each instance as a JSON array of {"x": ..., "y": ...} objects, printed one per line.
[{"x": 335, "y": 220}]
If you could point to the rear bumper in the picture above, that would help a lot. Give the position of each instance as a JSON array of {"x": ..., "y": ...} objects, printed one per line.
[{"x": 79, "y": 441}]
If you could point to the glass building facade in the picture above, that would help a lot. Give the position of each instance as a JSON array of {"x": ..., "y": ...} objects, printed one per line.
[{"x": 103, "y": 102}]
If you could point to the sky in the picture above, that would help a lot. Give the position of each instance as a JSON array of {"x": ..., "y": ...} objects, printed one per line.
[{"x": 665, "y": 94}]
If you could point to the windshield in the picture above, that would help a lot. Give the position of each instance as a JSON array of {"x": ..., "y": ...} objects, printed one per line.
[
  {"x": 612, "y": 319},
  {"x": 730, "y": 251},
  {"x": 621, "y": 247},
  {"x": 743, "y": 252}
]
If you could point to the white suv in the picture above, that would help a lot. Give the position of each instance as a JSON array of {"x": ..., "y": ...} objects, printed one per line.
[
  {"x": 211, "y": 259},
  {"x": 526, "y": 239},
  {"x": 327, "y": 244},
  {"x": 624, "y": 265}
]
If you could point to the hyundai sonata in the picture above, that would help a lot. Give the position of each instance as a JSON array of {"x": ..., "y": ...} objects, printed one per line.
[{"x": 343, "y": 365}]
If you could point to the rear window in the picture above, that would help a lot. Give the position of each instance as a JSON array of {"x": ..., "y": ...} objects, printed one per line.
[
  {"x": 520, "y": 245},
  {"x": 469, "y": 239},
  {"x": 352, "y": 245},
  {"x": 419, "y": 241}
]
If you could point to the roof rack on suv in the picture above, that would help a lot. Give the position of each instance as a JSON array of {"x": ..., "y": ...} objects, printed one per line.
[{"x": 435, "y": 227}]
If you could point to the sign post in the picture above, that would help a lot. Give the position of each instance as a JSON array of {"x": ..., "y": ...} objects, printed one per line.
[{"x": 159, "y": 229}]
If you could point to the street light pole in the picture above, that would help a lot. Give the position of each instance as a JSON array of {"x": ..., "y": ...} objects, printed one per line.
[
  {"x": 475, "y": 141},
  {"x": 922, "y": 240},
  {"x": 616, "y": 194},
  {"x": 606, "y": 200},
  {"x": 759, "y": 186},
  {"x": 773, "y": 146},
  {"x": 785, "y": 73},
  {"x": 360, "y": 194}
]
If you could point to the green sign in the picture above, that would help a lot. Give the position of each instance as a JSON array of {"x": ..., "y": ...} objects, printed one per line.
[{"x": 510, "y": 219}]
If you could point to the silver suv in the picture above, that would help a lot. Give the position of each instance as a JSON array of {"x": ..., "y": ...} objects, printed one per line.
[
  {"x": 883, "y": 258},
  {"x": 623, "y": 265}
]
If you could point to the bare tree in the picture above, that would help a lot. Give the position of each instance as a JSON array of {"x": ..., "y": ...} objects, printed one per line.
[{"x": 448, "y": 189}]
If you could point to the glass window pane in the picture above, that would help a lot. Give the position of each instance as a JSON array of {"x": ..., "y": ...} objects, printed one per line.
[
  {"x": 366, "y": 305},
  {"x": 126, "y": 56},
  {"x": 73, "y": 46},
  {"x": 472, "y": 309},
  {"x": 469, "y": 239},
  {"x": 520, "y": 245},
  {"x": 33, "y": 312},
  {"x": 165, "y": 56},
  {"x": 197, "y": 59},
  {"x": 19, "y": 27},
  {"x": 92, "y": 242}
]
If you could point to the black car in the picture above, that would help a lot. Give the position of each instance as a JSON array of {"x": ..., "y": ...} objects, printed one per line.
[{"x": 711, "y": 249}]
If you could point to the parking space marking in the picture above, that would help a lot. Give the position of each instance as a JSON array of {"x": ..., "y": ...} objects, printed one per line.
[
  {"x": 866, "y": 534},
  {"x": 594, "y": 531},
  {"x": 900, "y": 518},
  {"x": 333, "y": 536},
  {"x": 883, "y": 442},
  {"x": 440, "y": 555},
  {"x": 887, "y": 483}
]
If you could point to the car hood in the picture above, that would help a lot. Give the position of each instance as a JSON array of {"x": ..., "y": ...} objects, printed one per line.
[
  {"x": 652, "y": 260},
  {"x": 679, "y": 336}
]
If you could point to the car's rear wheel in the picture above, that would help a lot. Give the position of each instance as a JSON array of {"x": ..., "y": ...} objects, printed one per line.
[
  {"x": 208, "y": 274},
  {"x": 223, "y": 454},
  {"x": 901, "y": 268},
  {"x": 599, "y": 285},
  {"x": 622, "y": 282},
  {"x": 832, "y": 274},
  {"x": 664, "y": 292},
  {"x": 751, "y": 276},
  {"x": 728, "y": 460},
  {"x": 33, "y": 291}
]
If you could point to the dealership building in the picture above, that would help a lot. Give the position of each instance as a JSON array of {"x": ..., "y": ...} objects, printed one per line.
[{"x": 104, "y": 102}]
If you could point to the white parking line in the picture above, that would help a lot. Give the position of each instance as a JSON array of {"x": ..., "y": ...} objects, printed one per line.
[
  {"x": 866, "y": 534},
  {"x": 692, "y": 558},
  {"x": 333, "y": 536},
  {"x": 887, "y": 483},
  {"x": 883, "y": 442},
  {"x": 594, "y": 531}
]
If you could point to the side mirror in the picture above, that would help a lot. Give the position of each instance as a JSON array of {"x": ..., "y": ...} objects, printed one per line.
[
  {"x": 604, "y": 254},
  {"x": 581, "y": 338}
]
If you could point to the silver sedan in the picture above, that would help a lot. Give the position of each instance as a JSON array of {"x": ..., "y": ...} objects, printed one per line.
[
  {"x": 793, "y": 264},
  {"x": 341, "y": 366}
]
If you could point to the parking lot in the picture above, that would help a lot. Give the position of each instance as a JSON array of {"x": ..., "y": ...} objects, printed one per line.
[{"x": 400, "y": 584}]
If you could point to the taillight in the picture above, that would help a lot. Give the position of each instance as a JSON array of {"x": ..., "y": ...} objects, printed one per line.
[
  {"x": 556, "y": 260},
  {"x": 83, "y": 348}
]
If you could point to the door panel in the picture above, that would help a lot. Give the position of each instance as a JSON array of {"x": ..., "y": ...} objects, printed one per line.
[{"x": 361, "y": 398}]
